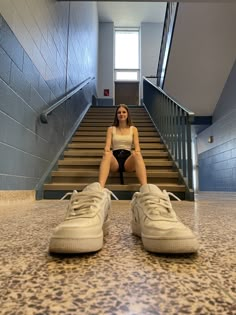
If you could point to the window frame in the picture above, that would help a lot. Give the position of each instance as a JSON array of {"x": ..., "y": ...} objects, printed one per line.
[{"x": 127, "y": 70}]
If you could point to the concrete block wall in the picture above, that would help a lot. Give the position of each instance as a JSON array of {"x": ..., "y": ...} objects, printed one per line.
[
  {"x": 39, "y": 63},
  {"x": 217, "y": 160}
]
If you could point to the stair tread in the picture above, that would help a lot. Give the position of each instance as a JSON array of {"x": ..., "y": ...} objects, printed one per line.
[
  {"x": 101, "y": 145},
  {"x": 112, "y": 187},
  {"x": 81, "y": 159},
  {"x": 94, "y": 161},
  {"x": 75, "y": 173},
  {"x": 108, "y": 123},
  {"x": 86, "y": 153},
  {"x": 103, "y": 133},
  {"x": 99, "y": 138},
  {"x": 104, "y": 128}
]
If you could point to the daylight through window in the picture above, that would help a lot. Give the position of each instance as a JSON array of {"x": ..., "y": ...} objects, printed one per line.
[{"x": 127, "y": 54}]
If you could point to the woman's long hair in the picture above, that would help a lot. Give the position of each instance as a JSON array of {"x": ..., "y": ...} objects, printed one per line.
[{"x": 128, "y": 121}]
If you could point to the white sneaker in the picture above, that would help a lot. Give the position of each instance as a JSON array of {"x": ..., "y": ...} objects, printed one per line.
[
  {"x": 155, "y": 221},
  {"x": 86, "y": 222}
]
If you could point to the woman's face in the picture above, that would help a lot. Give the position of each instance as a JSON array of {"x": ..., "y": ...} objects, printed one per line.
[{"x": 122, "y": 114}]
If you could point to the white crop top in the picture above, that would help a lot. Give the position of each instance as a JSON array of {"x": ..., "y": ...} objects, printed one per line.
[{"x": 122, "y": 142}]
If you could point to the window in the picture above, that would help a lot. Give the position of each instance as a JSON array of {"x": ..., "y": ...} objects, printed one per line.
[{"x": 127, "y": 54}]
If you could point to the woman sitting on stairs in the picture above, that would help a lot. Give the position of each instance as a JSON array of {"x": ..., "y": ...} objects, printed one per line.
[
  {"x": 153, "y": 218},
  {"x": 121, "y": 136}
]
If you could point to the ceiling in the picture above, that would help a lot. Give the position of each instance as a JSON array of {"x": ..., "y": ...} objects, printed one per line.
[{"x": 131, "y": 14}]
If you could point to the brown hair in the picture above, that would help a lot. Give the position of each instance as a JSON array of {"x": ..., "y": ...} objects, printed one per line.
[{"x": 116, "y": 121}]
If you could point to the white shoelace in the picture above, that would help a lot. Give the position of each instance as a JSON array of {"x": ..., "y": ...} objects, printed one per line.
[
  {"x": 156, "y": 204},
  {"x": 84, "y": 203},
  {"x": 111, "y": 193}
]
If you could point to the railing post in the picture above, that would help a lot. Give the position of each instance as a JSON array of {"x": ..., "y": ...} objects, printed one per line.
[
  {"x": 173, "y": 122},
  {"x": 189, "y": 152}
]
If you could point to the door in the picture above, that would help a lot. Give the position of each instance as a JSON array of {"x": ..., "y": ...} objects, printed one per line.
[{"x": 127, "y": 92}]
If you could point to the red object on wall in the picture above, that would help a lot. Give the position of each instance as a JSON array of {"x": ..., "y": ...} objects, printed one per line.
[{"x": 106, "y": 92}]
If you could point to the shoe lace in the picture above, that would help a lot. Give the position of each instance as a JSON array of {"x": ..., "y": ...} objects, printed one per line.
[
  {"x": 111, "y": 193},
  {"x": 157, "y": 204},
  {"x": 85, "y": 203}
]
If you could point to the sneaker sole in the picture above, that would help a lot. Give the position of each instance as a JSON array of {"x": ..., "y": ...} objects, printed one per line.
[
  {"x": 78, "y": 245},
  {"x": 179, "y": 246},
  {"x": 166, "y": 246}
]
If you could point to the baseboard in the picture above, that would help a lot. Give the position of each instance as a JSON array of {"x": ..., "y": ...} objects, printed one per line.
[{"x": 16, "y": 196}]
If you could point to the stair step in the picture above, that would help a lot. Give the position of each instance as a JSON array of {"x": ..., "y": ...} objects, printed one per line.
[
  {"x": 104, "y": 128},
  {"x": 103, "y": 133},
  {"x": 83, "y": 173},
  {"x": 96, "y": 161},
  {"x": 103, "y": 117},
  {"x": 98, "y": 138},
  {"x": 75, "y": 176},
  {"x": 114, "y": 178},
  {"x": 113, "y": 187},
  {"x": 99, "y": 152},
  {"x": 99, "y": 109},
  {"x": 86, "y": 123},
  {"x": 101, "y": 146},
  {"x": 110, "y": 117}
]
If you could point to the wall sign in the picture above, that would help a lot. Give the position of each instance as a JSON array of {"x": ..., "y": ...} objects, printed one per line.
[{"x": 106, "y": 92}]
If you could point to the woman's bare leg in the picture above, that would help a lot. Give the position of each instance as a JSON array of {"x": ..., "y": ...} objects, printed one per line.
[
  {"x": 135, "y": 163},
  {"x": 108, "y": 163}
]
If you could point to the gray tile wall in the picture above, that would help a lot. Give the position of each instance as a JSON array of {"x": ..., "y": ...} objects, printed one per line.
[
  {"x": 217, "y": 161},
  {"x": 27, "y": 147},
  {"x": 217, "y": 168}
]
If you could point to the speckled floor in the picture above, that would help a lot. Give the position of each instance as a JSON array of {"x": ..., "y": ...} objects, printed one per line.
[{"x": 122, "y": 278}]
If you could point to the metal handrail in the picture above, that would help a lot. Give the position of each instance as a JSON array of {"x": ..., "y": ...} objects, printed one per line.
[
  {"x": 167, "y": 35},
  {"x": 163, "y": 92},
  {"x": 45, "y": 113},
  {"x": 173, "y": 122}
]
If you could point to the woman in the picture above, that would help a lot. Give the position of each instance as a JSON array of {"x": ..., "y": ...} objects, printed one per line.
[{"x": 122, "y": 136}]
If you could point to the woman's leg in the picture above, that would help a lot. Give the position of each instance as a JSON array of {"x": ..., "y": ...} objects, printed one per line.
[
  {"x": 135, "y": 163},
  {"x": 108, "y": 163}
]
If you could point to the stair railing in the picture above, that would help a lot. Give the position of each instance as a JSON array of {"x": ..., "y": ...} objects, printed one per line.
[
  {"x": 173, "y": 122},
  {"x": 167, "y": 35},
  {"x": 49, "y": 110}
]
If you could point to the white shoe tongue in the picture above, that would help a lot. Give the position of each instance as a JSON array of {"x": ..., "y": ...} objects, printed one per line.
[
  {"x": 150, "y": 188},
  {"x": 93, "y": 187}
]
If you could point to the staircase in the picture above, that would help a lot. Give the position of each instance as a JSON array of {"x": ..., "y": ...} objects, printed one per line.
[{"x": 80, "y": 165}]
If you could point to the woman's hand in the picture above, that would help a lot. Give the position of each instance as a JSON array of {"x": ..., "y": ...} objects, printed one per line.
[
  {"x": 108, "y": 140},
  {"x": 136, "y": 140}
]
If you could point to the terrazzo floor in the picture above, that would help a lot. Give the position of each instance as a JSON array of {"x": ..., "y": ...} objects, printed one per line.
[{"x": 122, "y": 278}]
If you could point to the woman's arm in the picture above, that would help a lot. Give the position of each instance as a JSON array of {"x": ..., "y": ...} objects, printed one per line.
[
  {"x": 108, "y": 140},
  {"x": 136, "y": 140}
]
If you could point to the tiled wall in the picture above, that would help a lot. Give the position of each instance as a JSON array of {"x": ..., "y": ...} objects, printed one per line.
[
  {"x": 217, "y": 168},
  {"x": 34, "y": 73},
  {"x": 217, "y": 160}
]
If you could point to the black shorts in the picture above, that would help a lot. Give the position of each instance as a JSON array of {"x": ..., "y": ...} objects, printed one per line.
[{"x": 121, "y": 156}]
